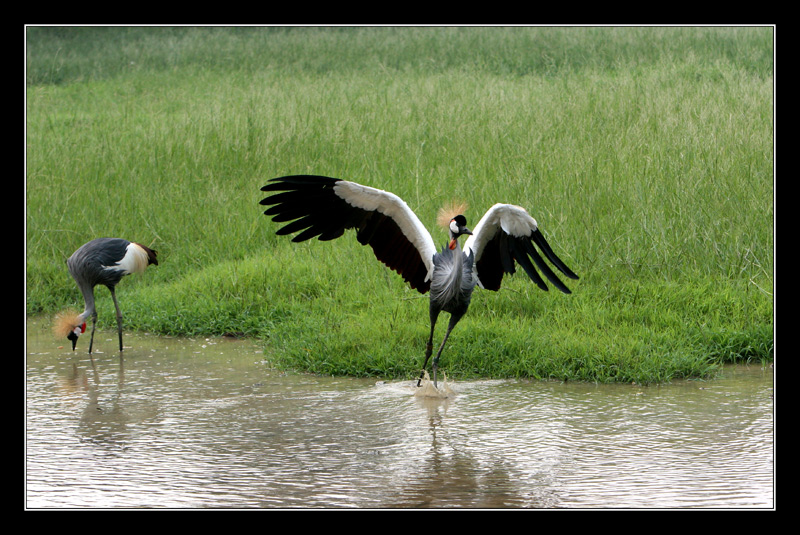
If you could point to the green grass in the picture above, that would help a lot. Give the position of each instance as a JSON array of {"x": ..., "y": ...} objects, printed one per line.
[{"x": 646, "y": 155}]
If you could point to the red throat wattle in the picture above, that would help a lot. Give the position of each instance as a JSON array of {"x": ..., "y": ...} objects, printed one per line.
[{"x": 453, "y": 244}]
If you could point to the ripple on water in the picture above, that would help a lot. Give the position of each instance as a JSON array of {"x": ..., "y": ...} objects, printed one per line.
[{"x": 205, "y": 424}]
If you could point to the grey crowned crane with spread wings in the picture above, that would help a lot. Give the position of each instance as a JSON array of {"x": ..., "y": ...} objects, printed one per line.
[
  {"x": 103, "y": 261},
  {"x": 324, "y": 207}
]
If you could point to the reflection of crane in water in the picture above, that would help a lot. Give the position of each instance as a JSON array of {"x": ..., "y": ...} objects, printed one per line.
[
  {"x": 326, "y": 207},
  {"x": 102, "y": 261}
]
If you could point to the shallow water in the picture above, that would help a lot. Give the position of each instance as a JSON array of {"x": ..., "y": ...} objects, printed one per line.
[{"x": 183, "y": 423}]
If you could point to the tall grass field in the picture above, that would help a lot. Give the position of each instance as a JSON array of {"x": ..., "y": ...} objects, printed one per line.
[{"x": 645, "y": 154}]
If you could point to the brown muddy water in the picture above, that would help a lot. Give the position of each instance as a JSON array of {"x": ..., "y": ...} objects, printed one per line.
[{"x": 204, "y": 423}]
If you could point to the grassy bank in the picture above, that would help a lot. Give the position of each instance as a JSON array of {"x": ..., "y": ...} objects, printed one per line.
[{"x": 645, "y": 154}]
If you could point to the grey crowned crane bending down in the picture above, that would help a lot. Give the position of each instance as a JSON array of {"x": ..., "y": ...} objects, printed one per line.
[
  {"x": 325, "y": 207},
  {"x": 102, "y": 261}
]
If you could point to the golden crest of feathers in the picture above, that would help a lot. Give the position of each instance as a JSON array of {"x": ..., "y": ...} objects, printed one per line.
[
  {"x": 449, "y": 211},
  {"x": 65, "y": 322}
]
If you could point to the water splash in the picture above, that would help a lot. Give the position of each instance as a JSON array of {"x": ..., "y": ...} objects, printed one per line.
[{"x": 428, "y": 390}]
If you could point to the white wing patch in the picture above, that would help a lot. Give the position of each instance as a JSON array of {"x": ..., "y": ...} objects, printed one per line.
[
  {"x": 513, "y": 220},
  {"x": 134, "y": 261},
  {"x": 391, "y": 205}
]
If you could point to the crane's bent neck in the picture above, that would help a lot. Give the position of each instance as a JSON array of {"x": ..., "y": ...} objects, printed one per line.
[{"x": 88, "y": 299}]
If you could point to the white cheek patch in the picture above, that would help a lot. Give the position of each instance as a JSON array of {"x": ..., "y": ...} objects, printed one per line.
[
  {"x": 453, "y": 226},
  {"x": 77, "y": 330}
]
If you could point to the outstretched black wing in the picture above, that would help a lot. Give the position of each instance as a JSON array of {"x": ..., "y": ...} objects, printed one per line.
[
  {"x": 505, "y": 236},
  {"x": 324, "y": 207}
]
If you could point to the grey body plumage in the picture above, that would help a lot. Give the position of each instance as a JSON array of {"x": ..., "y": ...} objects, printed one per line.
[{"x": 452, "y": 284}]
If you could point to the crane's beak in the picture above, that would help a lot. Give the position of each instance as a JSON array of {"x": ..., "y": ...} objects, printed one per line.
[
  {"x": 461, "y": 231},
  {"x": 74, "y": 337}
]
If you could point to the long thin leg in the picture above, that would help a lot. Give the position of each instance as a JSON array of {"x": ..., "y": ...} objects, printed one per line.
[
  {"x": 429, "y": 347},
  {"x": 119, "y": 316},
  {"x": 91, "y": 338},
  {"x": 435, "y": 364}
]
